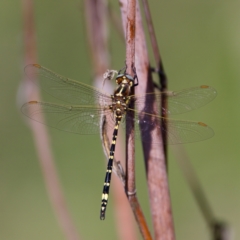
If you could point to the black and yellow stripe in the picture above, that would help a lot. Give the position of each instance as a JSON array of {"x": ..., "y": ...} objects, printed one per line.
[{"x": 107, "y": 181}]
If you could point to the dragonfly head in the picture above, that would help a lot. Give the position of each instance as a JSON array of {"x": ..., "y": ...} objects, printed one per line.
[{"x": 124, "y": 78}]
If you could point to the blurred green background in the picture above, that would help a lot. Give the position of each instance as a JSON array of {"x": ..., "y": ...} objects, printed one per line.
[{"x": 200, "y": 44}]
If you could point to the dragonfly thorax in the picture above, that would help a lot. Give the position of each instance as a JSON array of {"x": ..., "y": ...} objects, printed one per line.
[
  {"x": 125, "y": 83},
  {"x": 120, "y": 98},
  {"x": 119, "y": 105}
]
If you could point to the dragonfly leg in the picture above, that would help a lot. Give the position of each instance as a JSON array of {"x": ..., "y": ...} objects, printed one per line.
[
  {"x": 135, "y": 76},
  {"x": 124, "y": 69}
]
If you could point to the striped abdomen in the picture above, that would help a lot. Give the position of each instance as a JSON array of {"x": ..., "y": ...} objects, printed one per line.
[{"x": 107, "y": 181}]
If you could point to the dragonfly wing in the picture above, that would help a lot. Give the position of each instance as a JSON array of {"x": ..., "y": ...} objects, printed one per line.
[
  {"x": 190, "y": 99},
  {"x": 63, "y": 88},
  {"x": 177, "y": 131},
  {"x": 75, "y": 119},
  {"x": 178, "y": 102}
]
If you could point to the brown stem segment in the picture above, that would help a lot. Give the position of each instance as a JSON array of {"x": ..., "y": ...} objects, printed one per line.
[
  {"x": 160, "y": 70},
  {"x": 130, "y": 57},
  {"x": 128, "y": 9},
  {"x": 154, "y": 155}
]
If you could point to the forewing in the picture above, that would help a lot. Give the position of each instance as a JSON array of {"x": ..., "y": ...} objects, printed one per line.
[
  {"x": 63, "y": 88},
  {"x": 178, "y": 102},
  {"x": 75, "y": 119}
]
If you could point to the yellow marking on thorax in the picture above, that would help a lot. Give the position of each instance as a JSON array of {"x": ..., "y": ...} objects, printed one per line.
[{"x": 120, "y": 92}]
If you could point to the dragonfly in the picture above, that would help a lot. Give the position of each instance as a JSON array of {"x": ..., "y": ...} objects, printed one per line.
[{"x": 85, "y": 105}]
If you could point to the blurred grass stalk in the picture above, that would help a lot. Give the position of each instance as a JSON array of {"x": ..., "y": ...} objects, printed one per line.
[
  {"x": 219, "y": 229},
  {"x": 39, "y": 131}
]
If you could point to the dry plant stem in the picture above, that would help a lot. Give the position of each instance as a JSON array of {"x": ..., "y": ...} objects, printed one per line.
[
  {"x": 160, "y": 69},
  {"x": 97, "y": 35},
  {"x": 40, "y": 135},
  {"x": 221, "y": 231},
  {"x": 130, "y": 143},
  {"x": 152, "y": 34},
  {"x": 183, "y": 160},
  {"x": 138, "y": 214},
  {"x": 217, "y": 228},
  {"x": 129, "y": 29},
  {"x": 155, "y": 48},
  {"x": 154, "y": 155},
  {"x": 96, "y": 12},
  {"x": 130, "y": 57}
]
